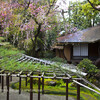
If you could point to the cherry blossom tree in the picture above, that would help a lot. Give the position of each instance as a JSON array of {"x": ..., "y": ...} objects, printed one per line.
[
  {"x": 27, "y": 19},
  {"x": 23, "y": 20}
]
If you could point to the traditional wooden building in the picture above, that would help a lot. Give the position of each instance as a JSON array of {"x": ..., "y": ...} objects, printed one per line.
[{"x": 79, "y": 45}]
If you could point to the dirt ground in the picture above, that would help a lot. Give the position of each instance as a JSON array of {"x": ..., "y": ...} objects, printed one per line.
[{"x": 26, "y": 96}]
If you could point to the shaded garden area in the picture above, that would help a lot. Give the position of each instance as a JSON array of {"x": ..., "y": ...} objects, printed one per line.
[
  {"x": 29, "y": 47},
  {"x": 14, "y": 62}
]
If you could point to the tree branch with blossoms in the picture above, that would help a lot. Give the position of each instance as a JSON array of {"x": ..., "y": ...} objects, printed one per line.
[{"x": 50, "y": 6}]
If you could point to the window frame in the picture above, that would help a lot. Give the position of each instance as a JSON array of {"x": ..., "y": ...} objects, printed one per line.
[{"x": 80, "y": 46}]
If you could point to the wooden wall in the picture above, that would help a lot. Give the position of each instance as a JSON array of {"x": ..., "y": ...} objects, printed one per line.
[
  {"x": 68, "y": 52},
  {"x": 93, "y": 50},
  {"x": 60, "y": 53}
]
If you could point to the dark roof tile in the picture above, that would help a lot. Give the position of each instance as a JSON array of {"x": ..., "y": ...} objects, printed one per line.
[{"x": 87, "y": 35}]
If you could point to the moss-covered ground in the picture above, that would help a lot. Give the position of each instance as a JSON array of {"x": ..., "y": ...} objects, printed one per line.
[{"x": 58, "y": 89}]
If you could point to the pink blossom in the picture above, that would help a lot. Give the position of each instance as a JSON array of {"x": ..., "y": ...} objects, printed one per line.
[
  {"x": 30, "y": 5},
  {"x": 3, "y": 14}
]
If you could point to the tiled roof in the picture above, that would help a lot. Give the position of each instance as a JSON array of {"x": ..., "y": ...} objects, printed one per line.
[{"x": 87, "y": 35}]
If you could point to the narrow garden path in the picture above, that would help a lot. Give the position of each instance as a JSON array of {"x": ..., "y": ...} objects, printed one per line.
[{"x": 26, "y": 96}]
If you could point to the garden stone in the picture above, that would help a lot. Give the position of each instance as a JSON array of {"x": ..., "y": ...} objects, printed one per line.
[{"x": 52, "y": 83}]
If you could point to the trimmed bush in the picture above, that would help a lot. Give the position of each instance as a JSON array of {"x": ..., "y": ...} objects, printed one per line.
[{"x": 87, "y": 66}]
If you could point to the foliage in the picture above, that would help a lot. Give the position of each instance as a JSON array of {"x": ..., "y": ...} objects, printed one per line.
[
  {"x": 87, "y": 66},
  {"x": 51, "y": 37},
  {"x": 49, "y": 54},
  {"x": 2, "y": 39},
  {"x": 9, "y": 56},
  {"x": 95, "y": 5},
  {"x": 90, "y": 12},
  {"x": 9, "y": 61},
  {"x": 32, "y": 26},
  {"x": 82, "y": 15},
  {"x": 28, "y": 21},
  {"x": 57, "y": 59}
]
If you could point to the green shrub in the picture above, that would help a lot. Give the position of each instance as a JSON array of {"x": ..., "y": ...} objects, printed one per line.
[
  {"x": 49, "y": 54},
  {"x": 87, "y": 66},
  {"x": 8, "y": 46},
  {"x": 58, "y": 59},
  {"x": 13, "y": 86},
  {"x": 2, "y": 39}
]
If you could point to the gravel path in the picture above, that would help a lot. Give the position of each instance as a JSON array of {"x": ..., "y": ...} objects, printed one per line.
[{"x": 26, "y": 96}]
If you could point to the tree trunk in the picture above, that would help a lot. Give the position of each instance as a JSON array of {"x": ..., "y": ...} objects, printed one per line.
[{"x": 34, "y": 52}]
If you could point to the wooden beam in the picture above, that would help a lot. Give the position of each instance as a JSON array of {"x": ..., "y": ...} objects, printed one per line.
[
  {"x": 86, "y": 87},
  {"x": 19, "y": 73}
]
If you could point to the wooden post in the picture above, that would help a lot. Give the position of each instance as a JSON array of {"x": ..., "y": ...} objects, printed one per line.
[
  {"x": 2, "y": 87},
  {"x": 78, "y": 91},
  {"x": 7, "y": 87},
  {"x": 42, "y": 85},
  {"x": 39, "y": 80},
  {"x": 31, "y": 88},
  {"x": 66, "y": 89},
  {"x": 26, "y": 80},
  {"x": 6, "y": 80},
  {"x": 10, "y": 78},
  {"x": 0, "y": 79},
  {"x": 19, "y": 85}
]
